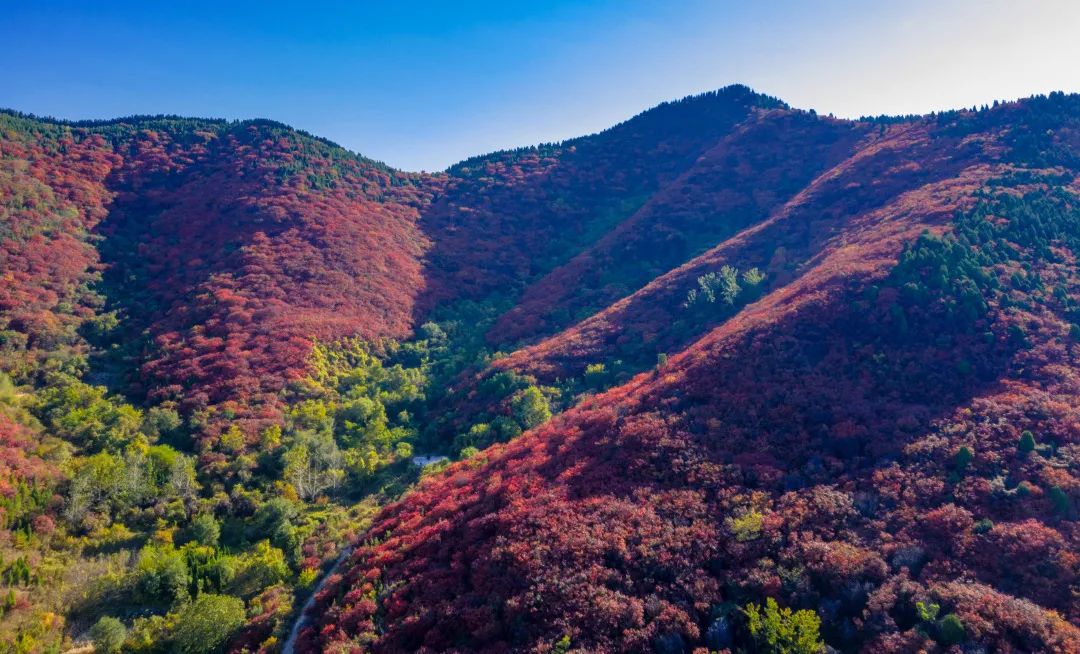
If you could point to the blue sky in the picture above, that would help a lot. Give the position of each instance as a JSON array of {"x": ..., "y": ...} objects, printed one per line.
[{"x": 421, "y": 85}]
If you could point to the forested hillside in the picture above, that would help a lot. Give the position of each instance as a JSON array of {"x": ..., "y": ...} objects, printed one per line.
[
  {"x": 727, "y": 376},
  {"x": 853, "y": 424}
]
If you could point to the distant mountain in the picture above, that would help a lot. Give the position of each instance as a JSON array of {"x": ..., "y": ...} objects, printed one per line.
[{"x": 826, "y": 362}]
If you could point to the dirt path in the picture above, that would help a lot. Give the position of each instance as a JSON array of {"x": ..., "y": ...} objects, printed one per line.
[{"x": 301, "y": 619}]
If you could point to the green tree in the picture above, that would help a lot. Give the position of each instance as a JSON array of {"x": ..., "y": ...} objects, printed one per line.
[
  {"x": 780, "y": 631},
  {"x": 312, "y": 415},
  {"x": 313, "y": 464},
  {"x": 232, "y": 440},
  {"x": 753, "y": 277},
  {"x": 162, "y": 575},
  {"x": 595, "y": 375},
  {"x": 729, "y": 284},
  {"x": 964, "y": 457},
  {"x": 108, "y": 635},
  {"x": 747, "y": 526},
  {"x": 1026, "y": 443},
  {"x": 96, "y": 481},
  {"x": 928, "y": 612},
  {"x": 951, "y": 630},
  {"x": 363, "y": 421},
  {"x": 205, "y": 530},
  {"x": 205, "y": 625},
  {"x": 530, "y": 407},
  {"x": 275, "y": 520},
  {"x": 257, "y": 569},
  {"x": 83, "y": 414},
  {"x": 1059, "y": 499},
  {"x": 161, "y": 422},
  {"x": 479, "y": 435},
  {"x": 505, "y": 428}
]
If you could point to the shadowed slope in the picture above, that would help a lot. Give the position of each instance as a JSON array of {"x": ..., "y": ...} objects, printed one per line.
[
  {"x": 864, "y": 209},
  {"x": 508, "y": 217},
  {"x": 736, "y": 183}
]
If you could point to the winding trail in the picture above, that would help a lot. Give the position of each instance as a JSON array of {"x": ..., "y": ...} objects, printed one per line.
[{"x": 301, "y": 620}]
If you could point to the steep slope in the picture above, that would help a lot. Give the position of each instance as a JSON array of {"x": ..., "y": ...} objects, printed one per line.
[
  {"x": 887, "y": 436},
  {"x": 758, "y": 166},
  {"x": 906, "y": 179},
  {"x": 246, "y": 248},
  {"x": 52, "y": 194},
  {"x": 230, "y": 248},
  {"x": 506, "y": 218}
]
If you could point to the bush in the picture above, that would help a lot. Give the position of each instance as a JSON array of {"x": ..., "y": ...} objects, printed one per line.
[
  {"x": 1059, "y": 499},
  {"x": 964, "y": 457},
  {"x": 778, "y": 630},
  {"x": 746, "y": 527},
  {"x": 1027, "y": 443},
  {"x": 163, "y": 576},
  {"x": 530, "y": 407},
  {"x": 108, "y": 635},
  {"x": 596, "y": 375},
  {"x": 205, "y": 625},
  {"x": 205, "y": 530},
  {"x": 951, "y": 630}
]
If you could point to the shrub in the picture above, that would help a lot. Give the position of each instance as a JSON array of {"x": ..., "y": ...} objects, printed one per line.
[
  {"x": 205, "y": 625},
  {"x": 205, "y": 530},
  {"x": 530, "y": 407},
  {"x": 595, "y": 375},
  {"x": 746, "y": 527},
  {"x": 780, "y": 631},
  {"x": 1059, "y": 499},
  {"x": 108, "y": 635},
  {"x": 964, "y": 457},
  {"x": 1027, "y": 443},
  {"x": 951, "y": 630}
]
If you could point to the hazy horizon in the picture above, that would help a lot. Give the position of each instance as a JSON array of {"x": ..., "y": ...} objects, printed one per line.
[{"x": 425, "y": 87}]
